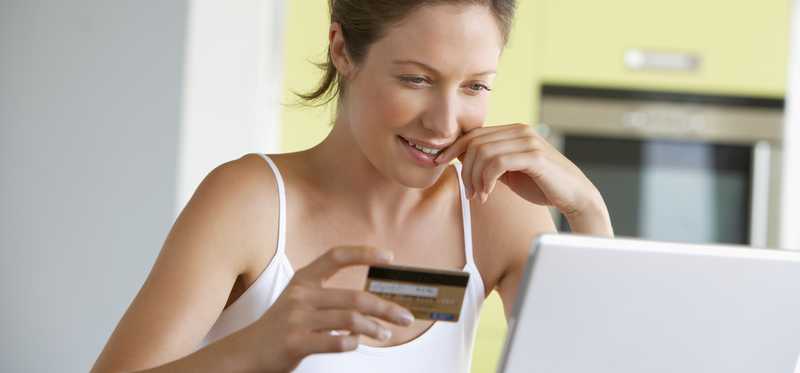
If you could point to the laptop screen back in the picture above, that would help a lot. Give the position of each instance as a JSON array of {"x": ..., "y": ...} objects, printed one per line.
[{"x": 625, "y": 306}]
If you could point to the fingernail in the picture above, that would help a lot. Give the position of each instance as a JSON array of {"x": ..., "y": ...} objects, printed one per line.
[
  {"x": 407, "y": 317},
  {"x": 469, "y": 191},
  {"x": 484, "y": 197},
  {"x": 350, "y": 343},
  {"x": 384, "y": 334},
  {"x": 386, "y": 256}
]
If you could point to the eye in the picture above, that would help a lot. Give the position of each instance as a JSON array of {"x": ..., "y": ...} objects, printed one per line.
[
  {"x": 415, "y": 80},
  {"x": 477, "y": 87}
]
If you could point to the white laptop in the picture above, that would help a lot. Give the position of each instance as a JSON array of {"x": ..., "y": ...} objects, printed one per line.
[{"x": 631, "y": 306}]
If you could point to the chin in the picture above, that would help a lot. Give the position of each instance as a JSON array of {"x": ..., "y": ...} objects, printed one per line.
[
  {"x": 417, "y": 177},
  {"x": 398, "y": 166}
]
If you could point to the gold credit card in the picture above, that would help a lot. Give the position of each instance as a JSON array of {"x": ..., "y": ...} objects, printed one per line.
[{"x": 430, "y": 294}]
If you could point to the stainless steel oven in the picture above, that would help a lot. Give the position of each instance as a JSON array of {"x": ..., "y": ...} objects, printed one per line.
[{"x": 674, "y": 166}]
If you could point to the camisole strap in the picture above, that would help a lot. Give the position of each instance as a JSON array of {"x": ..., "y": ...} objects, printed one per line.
[
  {"x": 466, "y": 217},
  {"x": 281, "y": 206}
]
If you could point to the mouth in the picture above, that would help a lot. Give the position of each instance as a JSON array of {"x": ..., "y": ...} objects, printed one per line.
[
  {"x": 425, "y": 148},
  {"x": 424, "y": 153}
]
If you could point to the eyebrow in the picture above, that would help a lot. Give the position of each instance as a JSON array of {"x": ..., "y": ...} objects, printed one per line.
[{"x": 431, "y": 69}]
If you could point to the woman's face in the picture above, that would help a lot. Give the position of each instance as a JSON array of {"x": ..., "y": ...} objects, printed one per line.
[{"x": 426, "y": 82}]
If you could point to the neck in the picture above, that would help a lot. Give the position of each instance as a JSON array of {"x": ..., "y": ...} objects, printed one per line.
[{"x": 357, "y": 185}]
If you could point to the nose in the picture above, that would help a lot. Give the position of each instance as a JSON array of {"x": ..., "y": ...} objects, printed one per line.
[{"x": 441, "y": 118}]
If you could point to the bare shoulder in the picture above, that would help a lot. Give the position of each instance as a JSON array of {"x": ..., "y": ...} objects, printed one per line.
[
  {"x": 222, "y": 230},
  {"x": 249, "y": 175},
  {"x": 503, "y": 229},
  {"x": 240, "y": 197}
]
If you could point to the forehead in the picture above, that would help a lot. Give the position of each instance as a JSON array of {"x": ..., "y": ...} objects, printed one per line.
[{"x": 451, "y": 38}]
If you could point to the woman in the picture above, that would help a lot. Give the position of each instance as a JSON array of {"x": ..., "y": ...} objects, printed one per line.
[{"x": 411, "y": 80}]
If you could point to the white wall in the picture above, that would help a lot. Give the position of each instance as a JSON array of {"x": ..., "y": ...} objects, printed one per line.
[
  {"x": 232, "y": 87},
  {"x": 90, "y": 96},
  {"x": 790, "y": 218},
  {"x": 110, "y": 115}
]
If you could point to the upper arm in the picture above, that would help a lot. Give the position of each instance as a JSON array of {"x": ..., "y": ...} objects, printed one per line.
[
  {"x": 504, "y": 228},
  {"x": 208, "y": 247}
]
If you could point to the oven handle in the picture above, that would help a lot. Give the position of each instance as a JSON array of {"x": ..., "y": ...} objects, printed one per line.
[{"x": 759, "y": 200}]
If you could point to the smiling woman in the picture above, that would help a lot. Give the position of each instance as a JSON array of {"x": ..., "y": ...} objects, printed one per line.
[
  {"x": 263, "y": 254},
  {"x": 395, "y": 71}
]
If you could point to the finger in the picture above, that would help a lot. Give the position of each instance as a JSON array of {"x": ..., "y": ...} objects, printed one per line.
[
  {"x": 529, "y": 162},
  {"x": 322, "y": 342},
  {"x": 339, "y": 257},
  {"x": 487, "y": 153},
  {"x": 468, "y": 158},
  {"x": 477, "y": 146},
  {"x": 364, "y": 302},
  {"x": 350, "y": 320},
  {"x": 461, "y": 144}
]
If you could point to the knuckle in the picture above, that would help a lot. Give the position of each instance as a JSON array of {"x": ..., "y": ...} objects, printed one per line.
[
  {"x": 337, "y": 254},
  {"x": 500, "y": 161},
  {"x": 342, "y": 343},
  {"x": 383, "y": 307},
  {"x": 482, "y": 150},
  {"x": 352, "y": 319},
  {"x": 493, "y": 164},
  {"x": 387, "y": 310},
  {"x": 360, "y": 301}
]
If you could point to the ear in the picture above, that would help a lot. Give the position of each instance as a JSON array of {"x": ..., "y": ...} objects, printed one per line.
[{"x": 339, "y": 57}]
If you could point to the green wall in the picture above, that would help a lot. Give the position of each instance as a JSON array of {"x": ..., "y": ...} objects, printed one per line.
[{"x": 742, "y": 44}]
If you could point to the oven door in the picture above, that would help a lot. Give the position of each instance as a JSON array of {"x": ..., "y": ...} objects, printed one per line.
[
  {"x": 674, "y": 167},
  {"x": 670, "y": 190}
]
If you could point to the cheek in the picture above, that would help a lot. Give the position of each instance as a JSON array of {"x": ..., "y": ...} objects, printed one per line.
[
  {"x": 395, "y": 107},
  {"x": 382, "y": 106},
  {"x": 473, "y": 113}
]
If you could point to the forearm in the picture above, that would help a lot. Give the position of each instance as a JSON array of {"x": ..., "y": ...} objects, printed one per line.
[{"x": 224, "y": 355}]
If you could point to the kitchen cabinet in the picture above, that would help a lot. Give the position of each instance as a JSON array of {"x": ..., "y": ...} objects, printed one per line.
[{"x": 739, "y": 47}]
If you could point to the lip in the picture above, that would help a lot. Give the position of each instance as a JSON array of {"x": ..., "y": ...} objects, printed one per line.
[
  {"x": 418, "y": 157},
  {"x": 426, "y": 143}
]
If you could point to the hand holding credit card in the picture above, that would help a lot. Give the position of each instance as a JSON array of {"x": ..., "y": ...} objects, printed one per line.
[{"x": 430, "y": 294}]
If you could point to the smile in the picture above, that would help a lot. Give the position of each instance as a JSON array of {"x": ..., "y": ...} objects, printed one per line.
[
  {"x": 424, "y": 149},
  {"x": 421, "y": 155}
]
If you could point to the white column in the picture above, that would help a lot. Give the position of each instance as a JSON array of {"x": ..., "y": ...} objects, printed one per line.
[
  {"x": 231, "y": 87},
  {"x": 790, "y": 211}
]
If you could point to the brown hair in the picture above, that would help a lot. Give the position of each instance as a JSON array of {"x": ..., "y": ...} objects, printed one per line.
[{"x": 363, "y": 22}]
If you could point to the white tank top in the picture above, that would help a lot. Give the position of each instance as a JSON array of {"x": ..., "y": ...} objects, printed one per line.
[{"x": 443, "y": 347}]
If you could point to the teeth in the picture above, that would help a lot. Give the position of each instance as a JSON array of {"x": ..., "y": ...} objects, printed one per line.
[
  {"x": 431, "y": 151},
  {"x": 426, "y": 150}
]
